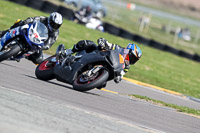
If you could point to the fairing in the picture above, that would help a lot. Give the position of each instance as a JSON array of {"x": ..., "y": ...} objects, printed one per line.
[{"x": 110, "y": 59}]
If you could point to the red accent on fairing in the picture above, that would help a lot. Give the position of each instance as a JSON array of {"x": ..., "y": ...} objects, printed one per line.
[
  {"x": 36, "y": 35},
  {"x": 44, "y": 67}
]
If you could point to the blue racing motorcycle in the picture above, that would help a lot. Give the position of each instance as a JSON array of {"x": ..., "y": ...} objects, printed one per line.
[{"x": 23, "y": 40}]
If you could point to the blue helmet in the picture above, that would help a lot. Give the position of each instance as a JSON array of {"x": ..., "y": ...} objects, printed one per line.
[{"x": 134, "y": 53}]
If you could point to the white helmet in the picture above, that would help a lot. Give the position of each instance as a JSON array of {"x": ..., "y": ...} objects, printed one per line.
[{"x": 55, "y": 20}]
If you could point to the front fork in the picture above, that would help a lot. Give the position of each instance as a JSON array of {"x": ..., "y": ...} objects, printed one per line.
[
  {"x": 60, "y": 52},
  {"x": 94, "y": 70}
]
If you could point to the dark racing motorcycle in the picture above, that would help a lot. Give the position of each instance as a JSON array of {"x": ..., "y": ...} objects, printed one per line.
[
  {"x": 23, "y": 40},
  {"x": 84, "y": 71}
]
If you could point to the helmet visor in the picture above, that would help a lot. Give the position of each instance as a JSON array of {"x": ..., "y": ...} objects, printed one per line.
[
  {"x": 132, "y": 58},
  {"x": 54, "y": 25}
]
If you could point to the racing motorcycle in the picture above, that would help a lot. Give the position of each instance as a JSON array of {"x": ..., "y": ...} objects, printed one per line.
[
  {"x": 84, "y": 71},
  {"x": 22, "y": 41},
  {"x": 92, "y": 22},
  {"x": 95, "y": 23}
]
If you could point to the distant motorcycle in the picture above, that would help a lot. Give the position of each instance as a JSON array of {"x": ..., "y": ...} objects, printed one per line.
[
  {"x": 90, "y": 22},
  {"x": 95, "y": 23},
  {"x": 20, "y": 41},
  {"x": 84, "y": 71}
]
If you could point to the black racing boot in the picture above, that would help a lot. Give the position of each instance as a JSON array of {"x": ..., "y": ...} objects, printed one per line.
[{"x": 36, "y": 57}]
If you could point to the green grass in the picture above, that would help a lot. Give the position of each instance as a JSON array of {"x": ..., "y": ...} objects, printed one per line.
[
  {"x": 178, "y": 108},
  {"x": 128, "y": 20},
  {"x": 180, "y": 11},
  {"x": 155, "y": 67}
]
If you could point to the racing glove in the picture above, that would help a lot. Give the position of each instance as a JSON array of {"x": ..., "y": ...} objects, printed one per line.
[
  {"x": 104, "y": 44},
  {"x": 68, "y": 52}
]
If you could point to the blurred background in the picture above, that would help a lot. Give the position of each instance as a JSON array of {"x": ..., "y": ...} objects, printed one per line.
[{"x": 171, "y": 22}]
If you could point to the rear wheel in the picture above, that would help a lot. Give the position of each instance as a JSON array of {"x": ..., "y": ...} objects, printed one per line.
[
  {"x": 45, "y": 69},
  {"x": 95, "y": 80},
  {"x": 9, "y": 52}
]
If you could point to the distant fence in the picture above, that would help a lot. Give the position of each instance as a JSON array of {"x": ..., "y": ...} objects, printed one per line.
[{"x": 67, "y": 13}]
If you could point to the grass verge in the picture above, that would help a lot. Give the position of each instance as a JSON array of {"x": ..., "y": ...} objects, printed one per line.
[
  {"x": 178, "y": 108},
  {"x": 129, "y": 20}
]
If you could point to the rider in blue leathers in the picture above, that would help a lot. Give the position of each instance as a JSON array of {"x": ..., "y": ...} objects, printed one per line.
[{"x": 53, "y": 23}]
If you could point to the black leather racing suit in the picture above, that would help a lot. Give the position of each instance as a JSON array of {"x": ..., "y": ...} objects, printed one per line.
[
  {"x": 90, "y": 46},
  {"x": 86, "y": 45}
]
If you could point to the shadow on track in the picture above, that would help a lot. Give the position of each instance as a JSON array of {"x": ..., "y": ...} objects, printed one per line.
[
  {"x": 61, "y": 85},
  {"x": 14, "y": 66},
  {"x": 48, "y": 81}
]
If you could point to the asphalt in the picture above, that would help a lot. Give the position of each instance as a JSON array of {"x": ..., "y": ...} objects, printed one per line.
[
  {"x": 29, "y": 104},
  {"x": 128, "y": 88}
]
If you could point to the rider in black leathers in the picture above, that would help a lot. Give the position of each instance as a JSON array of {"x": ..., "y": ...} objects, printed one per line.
[
  {"x": 53, "y": 23},
  {"x": 89, "y": 46}
]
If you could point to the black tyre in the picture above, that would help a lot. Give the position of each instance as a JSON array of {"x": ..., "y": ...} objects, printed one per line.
[
  {"x": 45, "y": 70},
  {"x": 98, "y": 79},
  {"x": 9, "y": 52}
]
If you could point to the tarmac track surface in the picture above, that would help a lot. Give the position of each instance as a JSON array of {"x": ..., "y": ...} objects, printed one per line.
[{"x": 31, "y": 105}]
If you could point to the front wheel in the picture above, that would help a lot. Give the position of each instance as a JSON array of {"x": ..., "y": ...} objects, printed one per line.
[
  {"x": 9, "y": 52},
  {"x": 95, "y": 80},
  {"x": 45, "y": 70}
]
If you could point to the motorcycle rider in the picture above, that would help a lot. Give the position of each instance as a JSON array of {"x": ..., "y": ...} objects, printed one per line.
[
  {"x": 83, "y": 15},
  {"x": 53, "y": 23},
  {"x": 134, "y": 52}
]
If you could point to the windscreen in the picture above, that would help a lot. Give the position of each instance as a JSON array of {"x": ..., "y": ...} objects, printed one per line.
[{"x": 42, "y": 30}]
